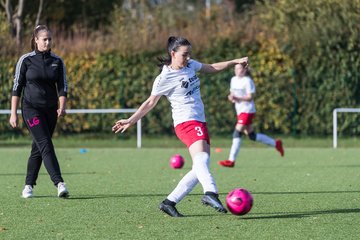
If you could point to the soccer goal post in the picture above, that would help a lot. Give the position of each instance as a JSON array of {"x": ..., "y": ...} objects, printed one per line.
[
  {"x": 92, "y": 111},
  {"x": 335, "y": 123}
]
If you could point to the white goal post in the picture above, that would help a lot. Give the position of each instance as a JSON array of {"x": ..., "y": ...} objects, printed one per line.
[
  {"x": 335, "y": 111},
  {"x": 108, "y": 110}
]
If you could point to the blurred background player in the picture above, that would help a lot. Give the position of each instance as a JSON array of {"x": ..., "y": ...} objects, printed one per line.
[
  {"x": 41, "y": 75},
  {"x": 181, "y": 86},
  {"x": 242, "y": 93}
]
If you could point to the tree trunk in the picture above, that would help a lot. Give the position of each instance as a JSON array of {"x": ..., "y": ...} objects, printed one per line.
[
  {"x": 9, "y": 13},
  {"x": 38, "y": 16},
  {"x": 18, "y": 22},
  {"x": 14, "y": 19}
]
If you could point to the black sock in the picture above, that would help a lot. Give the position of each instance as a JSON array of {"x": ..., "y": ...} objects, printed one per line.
[{"x": 168, "y": 202}]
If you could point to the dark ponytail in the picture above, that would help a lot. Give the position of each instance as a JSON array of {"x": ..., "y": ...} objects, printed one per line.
[
  {"x": 247, "y": 70},
  {"x": 173, "y": 44},
  {"x": 36, "y": 31}
]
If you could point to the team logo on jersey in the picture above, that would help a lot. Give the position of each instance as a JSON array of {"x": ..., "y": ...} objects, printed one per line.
[
  {"x": 195, "y": 89},
  {"x": 193, "y": 78},
  {"x": 184, "y": 84}
]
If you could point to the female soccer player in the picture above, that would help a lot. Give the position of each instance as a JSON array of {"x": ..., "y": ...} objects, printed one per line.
[
  {"x": 242, "y": 93},
  {"x": 40, "y": 74},
  {"x": 181, "y": 86}
]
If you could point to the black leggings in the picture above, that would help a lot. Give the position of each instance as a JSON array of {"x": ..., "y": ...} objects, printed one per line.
[{"x": 41, "y": 123}]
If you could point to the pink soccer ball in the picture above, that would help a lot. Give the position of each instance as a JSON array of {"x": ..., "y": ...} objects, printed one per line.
[
  {"x": 177, "y": 161},
  {"x": 239, "y": 201}
]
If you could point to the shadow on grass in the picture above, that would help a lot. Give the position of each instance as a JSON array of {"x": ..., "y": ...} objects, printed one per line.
[
  {"x": 303, "y": 214},
  {"x": 82, "y": 197},
  {"x": 24, "y": 174},
  {"x": 347, "y": 166},
  {"x": 215, "y": 214},
  {"x": 44, "y": 196},
  {"x": 313, "y": 192}
]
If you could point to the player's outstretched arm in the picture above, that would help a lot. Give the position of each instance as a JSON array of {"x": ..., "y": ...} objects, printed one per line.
[
  {"x": 217, "y": 67},
  {"x": 247, "y": 98},
  {"x": 123, "y": 124}
]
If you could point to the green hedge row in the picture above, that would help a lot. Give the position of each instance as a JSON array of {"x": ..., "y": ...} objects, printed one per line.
[{"x": 112, "y": 81}]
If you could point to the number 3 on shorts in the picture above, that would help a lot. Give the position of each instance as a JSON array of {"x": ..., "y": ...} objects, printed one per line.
[{"x": 199, "y": 131}]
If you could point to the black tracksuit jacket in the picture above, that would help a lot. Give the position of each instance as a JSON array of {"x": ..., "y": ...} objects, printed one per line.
[{"x": 42, "y": 76}]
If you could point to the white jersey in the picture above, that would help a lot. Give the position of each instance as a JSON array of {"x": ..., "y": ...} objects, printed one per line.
[
  {"x": 182, "y": 89},
  {"x": 240, "y": 87}
]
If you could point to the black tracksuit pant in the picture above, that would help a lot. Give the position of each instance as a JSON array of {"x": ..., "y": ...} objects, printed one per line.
[{"x": 41, "y": 123}]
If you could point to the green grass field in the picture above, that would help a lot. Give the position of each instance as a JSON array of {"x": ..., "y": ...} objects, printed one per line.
[{"x": 312, "y": 193}]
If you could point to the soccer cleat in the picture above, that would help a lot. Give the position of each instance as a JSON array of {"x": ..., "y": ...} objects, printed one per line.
[
  {"x": 62, "y": 191},
  {"x": 214, "y": 202},
  {"x": 279, "y": 147},
  {"x": 170, "y": 210},
  {"x": 27, "y": 192},
  {"x": 227, "y": 163}
]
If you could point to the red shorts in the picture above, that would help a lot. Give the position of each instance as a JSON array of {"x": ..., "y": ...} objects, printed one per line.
[
  {"x": 245, "y": 118},
  {"x": 192, "y": 131}
]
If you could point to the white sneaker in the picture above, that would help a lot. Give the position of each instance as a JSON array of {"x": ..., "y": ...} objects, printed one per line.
[
  {"x": 62, "y": 191},
  {"x": 27, "y": 192}
]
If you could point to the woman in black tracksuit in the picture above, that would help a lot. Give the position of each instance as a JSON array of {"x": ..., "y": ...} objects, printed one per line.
[{"x": 41, "y": 77}]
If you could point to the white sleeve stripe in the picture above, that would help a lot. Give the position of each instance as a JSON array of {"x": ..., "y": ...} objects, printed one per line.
[{"x": 18, "y": 67}]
